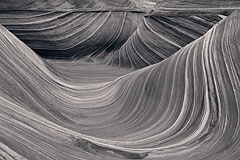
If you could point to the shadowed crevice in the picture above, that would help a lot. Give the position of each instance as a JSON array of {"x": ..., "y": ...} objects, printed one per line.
[{"x": 96, "y": 149}]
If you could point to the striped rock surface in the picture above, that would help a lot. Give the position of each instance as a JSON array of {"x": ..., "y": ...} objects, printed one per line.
[
  {"x": 119, "y": 38},
  {"x": 76, "y": 4},
  {"x": 65, "y": 4},
  {"x": 185, "y": 107}
]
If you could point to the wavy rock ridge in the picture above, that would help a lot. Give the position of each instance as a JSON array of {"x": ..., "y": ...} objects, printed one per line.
[
  {"x": 119, "y": 38},
  {"x": 186, "y": 106}
]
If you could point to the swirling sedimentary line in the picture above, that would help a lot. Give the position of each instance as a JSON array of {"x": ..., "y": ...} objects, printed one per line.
[
  {"x": 150, "y": 45},
  {"x": 159, "y": 36},
  {"x": 185, "y": 107},
  {"x": 74, "y": 34},
  {"x": 124, "y": 39}
]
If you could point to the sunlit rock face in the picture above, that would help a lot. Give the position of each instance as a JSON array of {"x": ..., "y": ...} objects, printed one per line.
[{"x": 184, "y": 107}]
